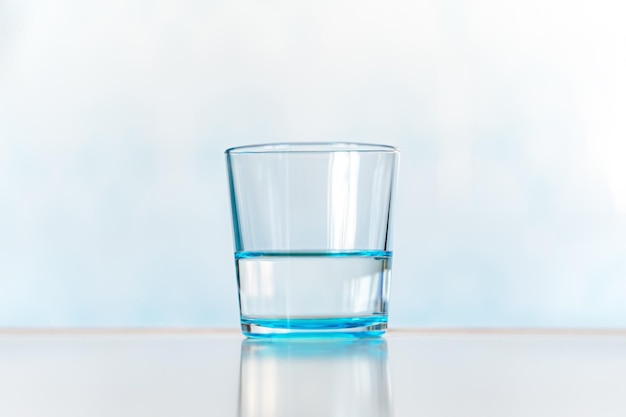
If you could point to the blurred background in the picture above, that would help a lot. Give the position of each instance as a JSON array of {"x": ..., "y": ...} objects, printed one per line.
[{"x": 510, "y": 116}]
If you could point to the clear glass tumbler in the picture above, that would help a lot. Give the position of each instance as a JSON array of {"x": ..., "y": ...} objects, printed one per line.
[{"x": 312, "y": 225}]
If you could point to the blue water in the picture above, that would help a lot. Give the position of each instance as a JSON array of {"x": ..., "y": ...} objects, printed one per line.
[
  {"x": 332, "y": 254},
  {"x": 337, "y": 293},
  {"x": 311, "y": 327}
]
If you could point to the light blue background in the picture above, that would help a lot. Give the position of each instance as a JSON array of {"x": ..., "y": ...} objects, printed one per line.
[{"x": 510, "y": 117}]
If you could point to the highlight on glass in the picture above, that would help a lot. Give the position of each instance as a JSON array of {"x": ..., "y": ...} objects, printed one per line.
[{"x": 312, "y": 233}]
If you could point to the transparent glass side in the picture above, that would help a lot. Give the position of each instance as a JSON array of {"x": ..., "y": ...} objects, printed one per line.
[
  {"x": 312, "y": 237},
  {"x": 312, "y": 201}
]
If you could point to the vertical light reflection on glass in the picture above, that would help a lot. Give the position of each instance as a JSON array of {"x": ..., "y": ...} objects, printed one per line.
[
  {"x": 314, "y": 377},
  {"x": 259, "y": 285},
  {"x": 262, "y": 274},
  {"x": 276, "y": 229},
  {"x": 342, "y": 199},
  {"x": 377, "y": 227},
  {"x": 359, "y": 293}
]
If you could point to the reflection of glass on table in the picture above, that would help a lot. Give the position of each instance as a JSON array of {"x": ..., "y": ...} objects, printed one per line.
[{"x": 314, "y": 377}]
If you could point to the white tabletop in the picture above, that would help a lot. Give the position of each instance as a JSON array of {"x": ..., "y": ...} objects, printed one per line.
[{"x": 219, "y": 373}]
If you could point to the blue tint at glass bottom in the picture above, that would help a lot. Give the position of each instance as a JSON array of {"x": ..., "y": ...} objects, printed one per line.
[{"x": 314, "y": 327}]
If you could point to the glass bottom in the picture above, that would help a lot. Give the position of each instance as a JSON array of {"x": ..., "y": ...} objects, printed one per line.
[{"x": 370, "y": 326}]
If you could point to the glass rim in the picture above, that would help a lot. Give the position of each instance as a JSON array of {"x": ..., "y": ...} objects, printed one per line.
[{"x": 310, "y": 147}]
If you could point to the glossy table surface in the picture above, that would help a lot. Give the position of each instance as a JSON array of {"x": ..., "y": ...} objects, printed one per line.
[{"x": 405, "y": 373}]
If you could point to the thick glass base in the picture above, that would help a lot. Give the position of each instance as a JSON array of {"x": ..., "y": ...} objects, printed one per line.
[{"x": 371, "y": 326}]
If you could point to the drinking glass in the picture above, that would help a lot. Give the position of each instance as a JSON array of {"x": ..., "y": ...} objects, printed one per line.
[{"x": 312, "y": 233}]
